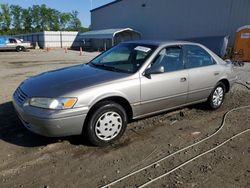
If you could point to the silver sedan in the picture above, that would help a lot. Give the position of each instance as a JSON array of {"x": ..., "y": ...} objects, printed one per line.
[{"x": 130, "y": 81}]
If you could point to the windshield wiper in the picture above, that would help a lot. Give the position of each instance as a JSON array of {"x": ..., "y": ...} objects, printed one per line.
[{"x": 111, "y": 68}]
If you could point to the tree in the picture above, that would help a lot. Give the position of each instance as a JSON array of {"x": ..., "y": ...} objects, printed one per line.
[
  {"x": 6, "y": 18},
  {"x": 44, "y": 16},
  {"x": 36, "y": 18},
  {"x": 64, "y": 19},
  {"x": 27, "y": 20},
  {"x": 1, "y": 21},
  {"x": 16, "y": 15},
  {"x": 53, "y": 19},
  {"x": 75, "y": 23},
  {"x": 16, "y": 20}
]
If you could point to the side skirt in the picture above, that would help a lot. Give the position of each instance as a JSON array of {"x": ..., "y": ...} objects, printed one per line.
[{"x": 168, "y": 109}]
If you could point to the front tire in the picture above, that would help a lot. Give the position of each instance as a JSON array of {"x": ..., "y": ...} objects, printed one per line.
[
  {"x": 217, "y": 96},
  {"x": 107, "y": 123}
]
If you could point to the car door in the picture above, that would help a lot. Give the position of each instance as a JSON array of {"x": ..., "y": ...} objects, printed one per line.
[
  {"x": 12, "y": 43},
  {"x": 203, "y": 72},
  {"x": 167, "y": 89}
]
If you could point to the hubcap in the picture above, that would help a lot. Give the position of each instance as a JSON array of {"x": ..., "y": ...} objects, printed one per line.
[
  {"x": 108, "y": 126},
  {"x": 218, "y": 96}
]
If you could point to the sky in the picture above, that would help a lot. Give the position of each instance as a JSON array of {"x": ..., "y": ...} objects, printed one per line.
[{"x": 82, "y": 6}]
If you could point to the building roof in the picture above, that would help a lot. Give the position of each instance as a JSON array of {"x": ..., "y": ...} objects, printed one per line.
[
  {"x": 243, "y": 27},
  {"x": 106, "y": 33},
  {"x": 111, "y": 3}
]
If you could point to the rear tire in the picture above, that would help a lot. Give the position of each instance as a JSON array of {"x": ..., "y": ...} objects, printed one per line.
[
  {"x": 216, "y": 98},
  {"x": 106, "y": 124}
]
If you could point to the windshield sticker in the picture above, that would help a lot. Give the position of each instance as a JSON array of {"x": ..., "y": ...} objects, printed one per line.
[{"x": 143, "y": 49}]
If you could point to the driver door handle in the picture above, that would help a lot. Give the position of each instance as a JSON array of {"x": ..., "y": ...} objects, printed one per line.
[
  {"x": 183, "y": 79},
  {"x": 216, "y": 73}
]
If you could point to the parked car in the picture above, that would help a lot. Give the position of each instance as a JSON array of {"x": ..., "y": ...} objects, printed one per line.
[
  {"x": 10, "y": 43},
  {"x": 130, "y": 81}
]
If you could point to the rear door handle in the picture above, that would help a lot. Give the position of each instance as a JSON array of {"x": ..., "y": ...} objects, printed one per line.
[{"x": 184, "y": 79}]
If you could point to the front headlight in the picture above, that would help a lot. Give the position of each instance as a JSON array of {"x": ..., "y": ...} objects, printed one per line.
[{"x": 54, "y": 104}]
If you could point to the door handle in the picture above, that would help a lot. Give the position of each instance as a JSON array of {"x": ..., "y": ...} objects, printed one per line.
[
  {"x": 184, "y": 79},
  {"x": 216, "y": 73}
]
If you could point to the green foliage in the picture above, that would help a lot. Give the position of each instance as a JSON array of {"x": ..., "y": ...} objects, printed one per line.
[
  {"x": 27, "y": 21},
  {"x": 16, "y": 20},
  {"x": 75, "y": 23},
  {"x": 16, "y": 14},
  {"x": 64, "y": 19},
  {"x": 5, "y": 18}
]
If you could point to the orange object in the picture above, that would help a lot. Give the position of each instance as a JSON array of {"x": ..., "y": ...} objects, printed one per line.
[
  {"x": 242, "y": 42},
  {"x": 48, "y": 49},
  {"x": 81, "y": 52},
  {"x": 69, "y": 103}
]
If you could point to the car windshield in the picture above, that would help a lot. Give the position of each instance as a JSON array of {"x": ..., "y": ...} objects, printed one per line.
[{"x": 125, "y": 57}]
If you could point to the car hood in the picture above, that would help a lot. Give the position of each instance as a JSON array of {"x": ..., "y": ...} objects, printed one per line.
[{"x": 61, "y": 82}]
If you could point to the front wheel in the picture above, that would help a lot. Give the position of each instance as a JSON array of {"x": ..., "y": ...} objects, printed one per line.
[
  {"x": 107, "y": 123},
  {"x": 217, "y": 96}
]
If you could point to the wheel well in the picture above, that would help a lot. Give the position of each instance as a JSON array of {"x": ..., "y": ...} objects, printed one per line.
[
  {"x": 226, "y": 83},
  {"x": 120, "y": 100}
]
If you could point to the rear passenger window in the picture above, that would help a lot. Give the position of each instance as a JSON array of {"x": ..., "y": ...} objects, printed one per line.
[
  {"x": 197, "y": 57},
  {"x": 170, "y": 58}
]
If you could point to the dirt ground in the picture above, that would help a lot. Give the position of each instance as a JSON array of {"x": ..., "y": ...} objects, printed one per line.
[{"x": 29, "y": 160}]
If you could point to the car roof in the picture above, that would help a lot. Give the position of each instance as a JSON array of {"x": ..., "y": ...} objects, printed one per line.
[{"x": 161, "y": 43}]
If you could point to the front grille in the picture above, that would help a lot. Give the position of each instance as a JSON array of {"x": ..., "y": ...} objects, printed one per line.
[{"x": 20, "y": 96}]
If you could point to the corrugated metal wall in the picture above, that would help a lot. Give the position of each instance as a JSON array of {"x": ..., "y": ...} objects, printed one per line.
[
  {"x": 54, "y": 39},
  {"x": 175, "y": 19}
]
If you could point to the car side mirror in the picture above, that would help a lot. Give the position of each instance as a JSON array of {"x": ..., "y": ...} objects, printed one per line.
[
  {"x": 228, "y": 61},
  {"x": 154, "y": 70}
]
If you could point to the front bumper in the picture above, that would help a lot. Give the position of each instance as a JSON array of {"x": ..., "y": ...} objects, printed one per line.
[{"x": 51, "y": 123}]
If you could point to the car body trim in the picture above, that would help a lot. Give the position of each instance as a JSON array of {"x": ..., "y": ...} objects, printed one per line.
[
  {"x": 163, "y": 98},
  {"x": 168, "y": 109},
  {"x": 199, "y": 90}
]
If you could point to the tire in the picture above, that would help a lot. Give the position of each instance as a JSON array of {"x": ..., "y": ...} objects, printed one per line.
[
  {"x": 19, "y": 48},
  {"x": 217, "y": 96},
  {"x": 106, "y": 124}
]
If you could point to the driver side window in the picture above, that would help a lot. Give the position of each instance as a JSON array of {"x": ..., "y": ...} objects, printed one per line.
[
  {"x": 12, "y": 40},
  {"x": 170, "y": 59}
]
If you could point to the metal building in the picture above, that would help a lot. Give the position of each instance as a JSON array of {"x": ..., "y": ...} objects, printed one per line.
[
  {"x": 53, "y": 39},
  {"x": 106, "y": 38},
  {"x": 174, "y": 19}
]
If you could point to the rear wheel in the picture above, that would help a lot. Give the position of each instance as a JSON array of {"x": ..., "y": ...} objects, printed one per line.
[
  {"x": 19, "y": 48},
  {"x": 107, "y": 123},
  {"x": 217, "y": 96}
]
